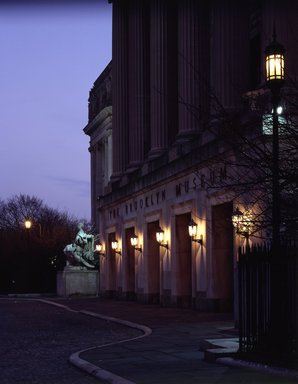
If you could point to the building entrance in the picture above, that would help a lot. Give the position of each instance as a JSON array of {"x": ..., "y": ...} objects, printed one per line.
[{"x": 222, "y": 256}]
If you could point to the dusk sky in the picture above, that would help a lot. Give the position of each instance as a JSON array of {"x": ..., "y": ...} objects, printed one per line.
[{"x": 51, "y": 54}]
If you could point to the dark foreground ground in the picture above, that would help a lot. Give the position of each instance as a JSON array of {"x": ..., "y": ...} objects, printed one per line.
[{"x": 37, "y": 338}]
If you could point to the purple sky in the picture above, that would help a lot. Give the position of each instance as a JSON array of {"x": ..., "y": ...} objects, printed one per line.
[{"x": 50, "y": 57}]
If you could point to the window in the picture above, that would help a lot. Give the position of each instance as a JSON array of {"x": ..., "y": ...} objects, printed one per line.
[{"x": 267, "y": 122}]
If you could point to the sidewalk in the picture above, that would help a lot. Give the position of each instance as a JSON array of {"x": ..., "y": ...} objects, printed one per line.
[{"x": 171, "y": 345}]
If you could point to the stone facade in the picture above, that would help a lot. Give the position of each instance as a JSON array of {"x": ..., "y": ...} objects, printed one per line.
[
  {"x": 99, "y": 129},
  {"x": 159, "y": 159}
]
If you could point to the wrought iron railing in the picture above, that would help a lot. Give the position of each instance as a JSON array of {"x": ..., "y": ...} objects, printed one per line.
[{"x": 255, "y": 297}]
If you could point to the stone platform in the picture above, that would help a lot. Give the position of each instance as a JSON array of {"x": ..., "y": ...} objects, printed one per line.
[{"x": 76, "y": 281}]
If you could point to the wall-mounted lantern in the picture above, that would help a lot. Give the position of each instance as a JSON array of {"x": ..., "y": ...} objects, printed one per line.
[
  {"x": 99, "y": 248},
  {"x": 242, "y": 222},
  {"x": 192, "y": 230},
  {"x": 114, "y": 245},
  {"x": 134, "y": 242},
  {"x": 160, "y": 238}
]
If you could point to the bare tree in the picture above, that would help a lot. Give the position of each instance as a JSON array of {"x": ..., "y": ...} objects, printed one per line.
[
  {"x": 249, "y": 164},
  {"x": 31, "y": 257},
  {"x": 242, "y": 165}
]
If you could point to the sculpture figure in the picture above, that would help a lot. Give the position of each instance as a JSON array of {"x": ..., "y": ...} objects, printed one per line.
[{"x": 81, "y": 252}]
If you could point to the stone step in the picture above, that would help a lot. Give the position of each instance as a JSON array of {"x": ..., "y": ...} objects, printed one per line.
[{"x": 211, "y": 355}]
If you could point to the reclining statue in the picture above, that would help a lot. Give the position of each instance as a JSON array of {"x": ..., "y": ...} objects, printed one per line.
[{"x": 81, "y": 252}]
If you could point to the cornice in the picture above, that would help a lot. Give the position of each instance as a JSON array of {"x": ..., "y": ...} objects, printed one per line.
[{"x": 103, "y": 115}]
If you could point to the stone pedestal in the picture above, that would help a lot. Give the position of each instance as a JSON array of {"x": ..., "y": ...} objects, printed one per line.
[{"x": 74, "y": 281}]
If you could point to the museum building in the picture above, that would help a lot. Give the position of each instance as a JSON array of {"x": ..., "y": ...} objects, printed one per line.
[{"x": 159, "y": 144}]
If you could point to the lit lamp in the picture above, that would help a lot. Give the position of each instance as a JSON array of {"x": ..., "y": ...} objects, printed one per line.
[
  {"x": 28, "y": 224},
  {"x": 275, "y": 63},
  {"x": 160, "y": 238},
  {"x": 98, "y": 248},
  {"x": 134, "y": 243},
  {"x": 192, "y": 230},
  {"x": 242, "y": 223},
  {"x": 114, "y": 245}
]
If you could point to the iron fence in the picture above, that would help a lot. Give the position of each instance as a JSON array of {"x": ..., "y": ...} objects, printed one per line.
[{"x": 256, "y": 279}]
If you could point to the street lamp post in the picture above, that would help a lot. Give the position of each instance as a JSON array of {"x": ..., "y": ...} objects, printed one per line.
[
  {"x": 275, "y": 76},
  {"x": 28, "y": 225}
]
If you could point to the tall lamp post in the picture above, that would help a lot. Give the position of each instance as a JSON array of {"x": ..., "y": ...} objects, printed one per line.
[
  {"x": 28, "y": 225},
  {"x": 275, "y": 76}
]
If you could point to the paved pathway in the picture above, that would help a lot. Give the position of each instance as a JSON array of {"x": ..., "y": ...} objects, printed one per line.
[
  {"x": 172, "y": 353},
  {"x": 36, "y": 340}
]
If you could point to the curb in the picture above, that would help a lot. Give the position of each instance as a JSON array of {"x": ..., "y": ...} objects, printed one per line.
[
  {"x": 92, "y": 369},
  {"x": 95, "y": 371},
  {"x": 282, "y": 372}
]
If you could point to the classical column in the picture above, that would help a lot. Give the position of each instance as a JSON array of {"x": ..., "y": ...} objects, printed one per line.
[
  {"x": 119, "y": 89},
  {"x": 229, "y": 56},
  {"x": 138, "y": 82},
  {"x": 163, "y": 60},
  {"x": 193, "y": 67},
  {"x": 92, "y": 151}
]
